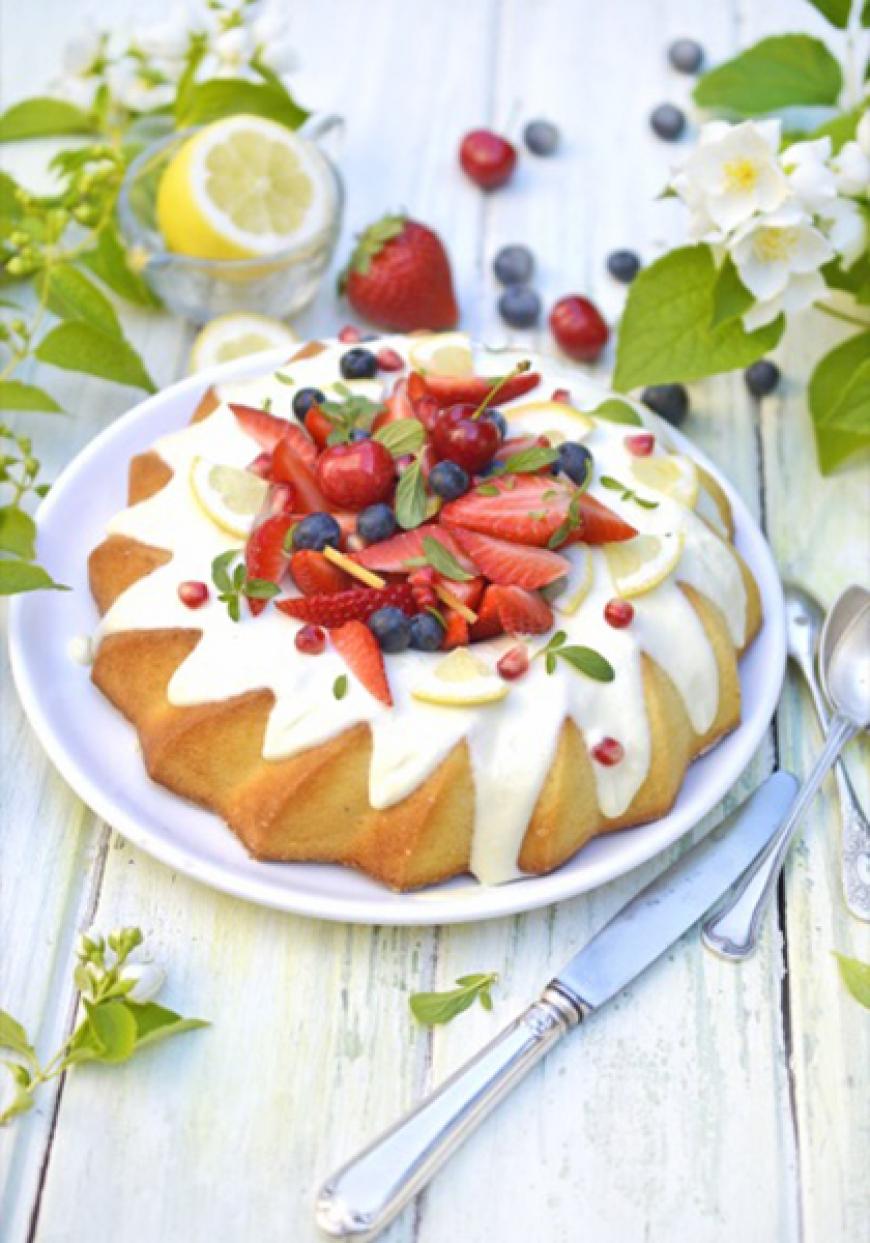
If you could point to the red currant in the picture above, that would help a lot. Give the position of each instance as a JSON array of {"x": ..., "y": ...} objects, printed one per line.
[
  {"x": 311, "y": 640},
  {"x": 355, "y": 475},
  {"x": 460, "y": 438},
  {"x": 619, "y": 613},
  {"x": 350, "y": 335},
  {"x": 389, "y": 360},
  {"x": 608, "y": 752},
  {"x": 487, "y": 158},
  {"x": 640, "y": 445},
  {"x": 579, "y": 330},
  {"x": 514, "y": 663},
  {"x": 192, "y": 594}
]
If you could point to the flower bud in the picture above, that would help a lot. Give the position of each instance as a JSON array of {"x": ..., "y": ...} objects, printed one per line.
[{"x": 147, "y": 980}]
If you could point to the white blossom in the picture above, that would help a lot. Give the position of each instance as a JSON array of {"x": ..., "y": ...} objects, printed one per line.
[
  {"x": 148, "y": 979},
  {"x": 845, "y": 226},
  {"x": 733, "y": 173},
  {"x": 769, "y": 250},
  {"x": 168, "y": 40},
  {"x": 272, "y": 42},
  {"x": 132, "y": 91},
  {"x": 811, "y": 179},
  {"x": 82, "y": 53}
]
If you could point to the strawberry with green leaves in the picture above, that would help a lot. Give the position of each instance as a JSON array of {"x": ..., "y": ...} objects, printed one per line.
[{"x": 399, "y": 277}]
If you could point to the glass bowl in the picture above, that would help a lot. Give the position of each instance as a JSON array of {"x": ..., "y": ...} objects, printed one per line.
[{"x": 279, "y": 284}]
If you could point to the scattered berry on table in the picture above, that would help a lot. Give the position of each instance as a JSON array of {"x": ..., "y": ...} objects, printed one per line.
[
  {"x": 575, "y": 461},
  {"x": 514, "y": 265},
  {"x": 541, "y": 137},
  {"x": 399, "y": 277},
  {"x": 448, "y": 480},
  {"x": 762, "y": 377},
  {"x": 349, "y": 335},
  {"x": 623, "y": 265},
  {"x": 427, "y": 633},
  {"x": 578, "y": 328},
  {"x": 496, "y": 416},
  {"x": 514, "y": 663},
  {"x": 487, "y": 158},
  {"x": 519, "y": 306},
  {"x": 192, "y": 594},
  {"x": 316, "y": 531},
  {"x": 619, "y": 613},
  {"x": 391, "y": 628},
  {"x": 358, "y": 364},
  {"x": 311, "y": 640},
  {"x": 686, "y": 55},
  {"x": 671, "y": 401},
  {"x": 668, "y": 121},
  {"x": 641, "y": 444},
  {"x": 376, "y": 523},
  {"x": 305, "y": 399},
  {"x": 390, "y": 360},
  {"x": 460, "y": 437},
  {"x": 608, "y": 752}
]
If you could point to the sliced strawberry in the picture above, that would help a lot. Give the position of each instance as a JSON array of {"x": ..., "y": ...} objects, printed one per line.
[
  {"x": 264, "y": 553},
  {"x": 450, "y": 390},
  {"x": 398, "y": 406},
  {"x": 514, "y": 444},
  {"x": 488, "y": 623},
  {"x": 522, "y": 612},
  {"x": 392, "y": 555},
  {"x": 336, "y": 608},
  {"x": 267, "y": 429},
  {"x": 529, "y": 509},
  {"x": 295, "y": 442},
  {"x": 289, "y": 467},
  {"x": 318, "y": 426},
  {"x": 361, "y": 652},
  {"x": 513, "y": 565},
  {"x": 456, "y": 632},
  {"x": 468, "y": 592},
  {"x": 314, "y": 575},
  {"x": 600, "y": 525}
]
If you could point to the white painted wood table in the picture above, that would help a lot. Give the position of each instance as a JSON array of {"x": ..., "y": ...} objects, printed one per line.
[{"x": 711, "y": 1102}]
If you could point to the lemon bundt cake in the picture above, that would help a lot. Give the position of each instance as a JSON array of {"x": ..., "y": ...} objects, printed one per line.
[{"x": 407, "y": 606}]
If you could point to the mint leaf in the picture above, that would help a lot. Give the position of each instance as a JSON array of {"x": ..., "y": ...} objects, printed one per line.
[
  {"x": 587, "y": 660},
  {"x": 14, "y": 1037},
  {"x": 108, "y": 261},
  {"x": 838, "y": 379},
  {"x": 856, "y": 976},
  {"x": 42, "y": 117},
  {"x": 402, "y": 436},
  {"x": 15, "y": 395},
  {"x": 113, "y": 1029},
  {"x": 778, "y": 72},
  {"x": 77, "y": 346},
  {"x": 442, "y": 560},
  {"x": 667, "y": 331},
  {"x": 432, "y": 1008},
  {"x": 261, "y": 589},
  {"x": 730, "y": 296},
  {"x": 836, "y": 11},
  {"x": 17, "y": 532},
  {"x": 527, "y": 461},
  {"x": 339, "y": 686},
  {"x": 70, "y": 295},
  {"x": 19, "y": 576},
  {"x": 411, "y": 498},
  {"x": 223, "y": 97},
  {"x": 616, "y": 411}
]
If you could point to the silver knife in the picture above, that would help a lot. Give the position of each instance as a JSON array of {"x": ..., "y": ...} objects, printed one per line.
[{"x": 366, "y": 1194}]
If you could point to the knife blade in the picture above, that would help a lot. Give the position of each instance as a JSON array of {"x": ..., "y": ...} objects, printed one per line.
[{"x": 364, "y": 1196}]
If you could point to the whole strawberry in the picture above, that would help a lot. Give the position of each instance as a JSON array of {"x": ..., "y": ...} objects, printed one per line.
[{"x": 399, "y": 277}]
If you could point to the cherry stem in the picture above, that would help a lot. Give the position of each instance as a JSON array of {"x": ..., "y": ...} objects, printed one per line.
[{"x": 525, "y": 365}]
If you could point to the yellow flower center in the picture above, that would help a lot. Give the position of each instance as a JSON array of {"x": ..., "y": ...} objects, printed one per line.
[
  {"x": 773, "y": 244},
  {"x": 740, "y": 174}
]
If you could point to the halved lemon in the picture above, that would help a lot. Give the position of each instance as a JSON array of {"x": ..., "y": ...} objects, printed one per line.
[
  {"x": 243, "y": 187},
  {"x": 236, "y": 336},
  {"x": 541, "y": 416},
  {"x": 637, "y": 565},
  {"x": 442, "y": 353},
  {"x": 461, "y": 680},
  {"x": 579, "y": 581},
  {"x": 672, "y": 474},
  {"x": 230, "y": 497}
]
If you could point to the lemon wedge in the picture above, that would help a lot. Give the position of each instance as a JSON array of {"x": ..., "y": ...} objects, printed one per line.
[
  {"x": 579, "y": 581},
  {"x": 243, "y": 187},
  {"x": 230, "y": 497},
  {"x": 637, "y": 565},
  {"x": 672, "y": 474},
  {"x": 551, "y": 418},
  {"x": 236, "y": 336},
  {"x": 442, "y": 353},
  {"x": 461, "y": 680}
]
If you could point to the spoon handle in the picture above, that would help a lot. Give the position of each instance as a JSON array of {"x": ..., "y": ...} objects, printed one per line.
[{"x": 732, "y": 930}]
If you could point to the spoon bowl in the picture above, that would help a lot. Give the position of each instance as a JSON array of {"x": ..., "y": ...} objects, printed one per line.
[{"x": 844, "y": 656}]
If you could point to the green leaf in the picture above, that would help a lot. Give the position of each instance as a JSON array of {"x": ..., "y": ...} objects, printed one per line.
[
  {"x": 527, "y": 461},
  {"x": 840, "y": 129},
  {"x": 432, "y": 1008},
  {"x": 779, "y": 72},
  {"x": 854, "y": 280},
  {"x": 155, "y": 1023},
  {"x": 261, "y": 589},
  {"x": 77, "y": 346},
  {"x": 402, "y": 436},
  {"x": 113, "y": 1029},
  {"x": 14, "y": 1037},
  {"x": 224, "y": 97},
  {"x": 108, "y": 261},
  {"x": 17, "y": 532},
  {"x": 836, "y": 11},
  {"x": 587, "y": 660},
  {"x": 616, "y": 411},
  {"x": 411, "y": 498},
  {"x": 70, "y": 295},
  {"x": 856, "y": 976},
  {"x": 42, "y": 117},
  {"x": 339, "y": 686},
  {"x": 830, "y": 388},
  {"x": 443, "y": 560},
  {"x": 14, "y": 395},
  {"x": 667, "y": 331},
  {"x": 731, "y": 298},
  {"x": 19, "y": 576}
]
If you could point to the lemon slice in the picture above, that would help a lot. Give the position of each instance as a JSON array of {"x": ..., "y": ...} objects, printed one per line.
[
  {"x": 579, "y": 581},
  {"x": 442, "y": 353},
  {"x": 551, "y": 418},
  {"x": 236, "y": 336},
  {"x": 243, "y": 187},
  {"x": 461, "y": 681},
  {"x": 637, "y": 565},
  {"x": 672, "y": 474},
  {"x": 231, "y": 497}
]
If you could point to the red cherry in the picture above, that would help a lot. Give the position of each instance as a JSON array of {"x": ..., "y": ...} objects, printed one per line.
[
  {"x": 618, "y": 613},
  {"x": 192, "y": 594},
  {"x": 640, "y": 445},
  {"x": 514, "y": 663},
  {"x": 608, "y": 752},
  {"x": 579, "y": 330},
  {"x": 389, "y": 360},
  {"x": 355, "y": 475},
  {"x": 311, "y": 640},
  {"x": 469, "y": 442},
  {"x": 487, "y": 158},
  {"x": 350, "y": 335}
]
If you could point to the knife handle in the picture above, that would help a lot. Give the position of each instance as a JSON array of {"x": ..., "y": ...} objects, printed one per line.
[{"x": 361, "y": 1198}]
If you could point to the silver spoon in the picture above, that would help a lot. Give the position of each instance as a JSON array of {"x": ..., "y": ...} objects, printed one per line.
[
  {"x": 804, "y": 619},
  {"x": 732, "y": 931}
]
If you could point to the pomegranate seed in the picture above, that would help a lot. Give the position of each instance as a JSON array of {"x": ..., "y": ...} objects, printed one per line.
[
  {"x": 424, "y": 597},
  {"x": 608, "y": 752},
  {"x": 311, "y": 640},
  {"x": 561, "y": 394},
  {"x": 641, "y": 445},
  {"x": 618, "y": 613},
  {"x": 514, "y": 663},
  {"x": 389, "y": 360},
  {"x": 261, "y": 465},
  {"x": 192, "y": 594},
  {"x": 350, "y": 335}
]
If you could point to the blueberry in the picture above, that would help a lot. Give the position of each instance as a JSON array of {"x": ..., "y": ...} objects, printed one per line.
[
  {"x": 496, "y": 416},
  {"x": 686, "y": 55},
  {"x": 514, "y": 265},
  {"x": 376, "y": 522},
  {"x": 671, "y": 401},
  {"x": 541, "y": 137},
  {"x": 519, "y": 306},
  {"x": 575, "y": 461},
  {"x": 316, "y": 531},
  {"x": 360, "y": 433},
  {"x": 305, "y": 399},
  {"x": 448, "y": 480},
  {"x": 668, "y": 121},
  {"x": 391, "y": 628},
  {"x": 762, "y": 377},
  {"x": 358, "y": 364},
  {"x": 426, "y": 632},
  {"x": 623, "y": 265}
]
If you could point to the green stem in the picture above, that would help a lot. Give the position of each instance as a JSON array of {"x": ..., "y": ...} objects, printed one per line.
[{"x": 835, "y": 314}]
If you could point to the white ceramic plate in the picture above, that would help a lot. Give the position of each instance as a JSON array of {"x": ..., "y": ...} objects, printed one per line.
[{"x": 97, "y": 751}]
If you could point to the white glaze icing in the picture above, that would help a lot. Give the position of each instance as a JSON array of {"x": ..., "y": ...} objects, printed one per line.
[{"x": 510, "y": 743}]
